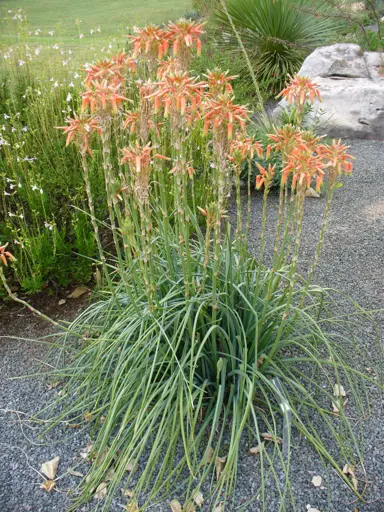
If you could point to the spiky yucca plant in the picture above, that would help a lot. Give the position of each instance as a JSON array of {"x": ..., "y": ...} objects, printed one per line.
[{"x": 277, "y": 34}]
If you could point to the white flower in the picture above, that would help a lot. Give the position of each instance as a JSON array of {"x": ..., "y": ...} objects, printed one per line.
[
  {"x": 110, "y": 45},
  {"x": 55, "y": 46},
  {"x": 13, "y": 129},
  {"x": 56, "y": 84},
  {"x": 76, "y": 75},
  {"x": 98, "y": 29},
  {"x": 81, "y": 36},
  {"x": 70, "y": 52},
  {"x": 20, "y": 185},
  {"x": 21, "y": 62},
  {"x": 38, "y": 92},
  {"x": 37, "y": 51},
  {"x": 47, "y": 225},
  {"x": 24, "y": 129},
  {"x": 35, "y": 187},
  {"x": 65, "y": 63},
  {"x": 10, "y": 214},
  {"x": 69, "y": 97},
  {"x": 71, "y": 84},
  {"x": 6, "y": 116},
  {"x": 41, "y": 191},
  {"x": 51, "y": 32},
  {"x": 102, "y": 49},
  {"x": 92, "y": 31},
  {"x": 21, "y": 216},
  {"x": 7, "y": 193}
]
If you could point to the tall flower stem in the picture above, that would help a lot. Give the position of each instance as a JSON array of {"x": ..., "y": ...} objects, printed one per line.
[{"x": 91, "y": 207}]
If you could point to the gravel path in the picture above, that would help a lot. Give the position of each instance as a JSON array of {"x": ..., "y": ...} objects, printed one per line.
[{"x": 351, "y": 261}]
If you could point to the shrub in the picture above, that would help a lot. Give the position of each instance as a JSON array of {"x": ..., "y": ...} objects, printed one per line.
[
  {"x": 192, "y": 339},
  {"x": 277, "y": 35}
]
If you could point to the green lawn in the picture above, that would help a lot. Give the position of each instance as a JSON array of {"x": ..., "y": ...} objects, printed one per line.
[{"x": 112, "y": 16}]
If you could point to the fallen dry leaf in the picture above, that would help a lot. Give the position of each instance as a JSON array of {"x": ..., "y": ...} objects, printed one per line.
[
  {"x": 198, "y": 498},
  {"x": 350, "y": 470},
  {"x": 127, "y": 493},
  {"x": 338, "y": 390},
  {"x": 270, "y": 437},
  {"x": 317, "y": 481},
  {"x": 129, "y": 467},
  {"x": 101, "y": 491},
  {"x": 50, "y": 468},
  {"x": 72, "y": 472},
  {"x": 311, "y": 509},
  {"x": 110, "y": 475},
  {"x": 132, "y": 506},
  {"x": 256, "y": 449},
  {"x": 219, "y": 508},
  {"x": 310, "y": 192},
  {"x": 53, "y": 384},
  {"x": 189, "y": 507},
  {"x": 219, "y": 464},
  {"x": 78, "y": 292},
  {"x": 175, "y": 506},
  {"x": 84, "y": 454},
  {"x": 88, "y": 417},
  {"x": 61, "y": 302},
  {"x": 48, "y": 485},
  {"x": 208, "y": 455}
]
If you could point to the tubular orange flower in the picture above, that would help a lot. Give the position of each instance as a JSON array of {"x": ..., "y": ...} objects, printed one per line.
[
  {"x": 139, "y": 159},
  {"x": 149, "y": 40},
  {"x": 219, "y": 82},
  {"x": 265, "y": 177},
  {"x": 106, "y": 69},
  {"x": 103, "y": 97},
  {"x": 124, "y": 61},
  {"x": 5, "y": 255},
  {"x": 222, "y": 112},
  {"x": 245, "y": 147},
  {"x": 304, "y": 167},
  {"x": 79, "y": 130},
  {"x": 185, "y": 33},
  {"x": 336, "y": 156},
  {"x": 167, "y": 67},
  {"x": 300, "y": 90},
  {"x": 176, "y": 91},
  {"x": 285, "y": 139},
  {"x": 131, "y": 120}
]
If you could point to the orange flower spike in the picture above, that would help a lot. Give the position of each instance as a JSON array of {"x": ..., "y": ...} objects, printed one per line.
[
  {"x": 102, "y": 97},
  {"x": 148, "y": 39},
  {"x": 219, "y": 82},
  {"x": 223, "y": 112},
  {"x": 300, "y": 90},
  {"x": 79, "y": 130},
  {"x": 185, "y": 32},
  {"x": 106, "y": 69},
  {"x": 336, "y": 156},
  {"x": 6, "y": 255},
  {"x": 285, "y": 139}
]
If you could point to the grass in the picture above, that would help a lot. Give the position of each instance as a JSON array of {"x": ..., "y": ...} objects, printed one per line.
[{"x": 113, "y": 18}]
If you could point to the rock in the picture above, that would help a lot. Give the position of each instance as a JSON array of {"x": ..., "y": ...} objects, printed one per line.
[{"x": 352, "y": 89}]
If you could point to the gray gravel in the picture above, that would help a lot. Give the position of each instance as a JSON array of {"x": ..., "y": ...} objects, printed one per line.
[{"x": 351, "y": 261}]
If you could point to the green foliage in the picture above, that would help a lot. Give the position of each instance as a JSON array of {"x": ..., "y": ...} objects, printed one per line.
[{"x": 277, "y": 35}]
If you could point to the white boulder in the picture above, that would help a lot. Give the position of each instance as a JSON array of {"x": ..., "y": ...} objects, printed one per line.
[{"x": 352, "y": 89}]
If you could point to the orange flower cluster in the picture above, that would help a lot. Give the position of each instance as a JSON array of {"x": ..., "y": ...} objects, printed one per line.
[
  {"x": 304, "y": 167},
  {"x": 5, "y": 255},
  {"x": 265, "y": 177},
  {"x": 336, "y": 157},
  {"x": 300, "y": 90},
  {"x": 139, "y": 159},
  {"x": 105, "y": 69},
  {"x": 79, "y": 130},
  {"x": 244, "y": 147},
  {"x": 223, "y": 112},
  {"x": 104, "y": 97},
  {"x": 177, "y": 91},
  {"x": 149, "y": 40},
  {"x": 185, "y": 32},
  {"x": 219, "y": 82}
]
